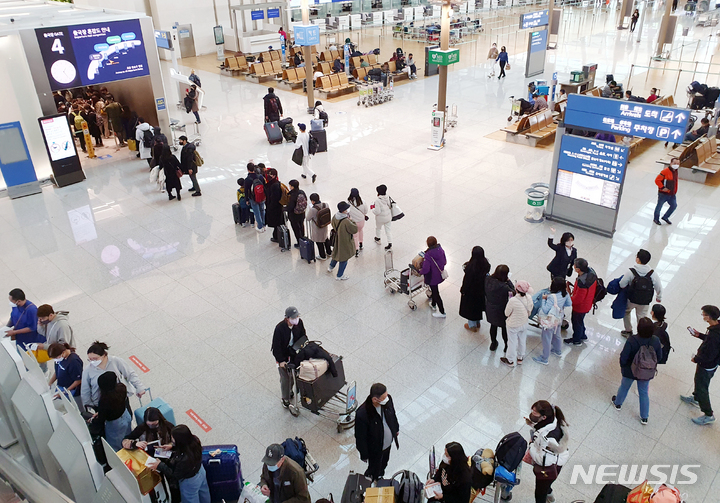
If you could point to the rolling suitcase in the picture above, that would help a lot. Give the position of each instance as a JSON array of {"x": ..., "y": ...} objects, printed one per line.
[
  {"x": 223, "y": 471},
  {"x": 321, "y": 137},
  {"x": 355, "y": 487},
  {"x": 236, "y": 213},
  {"x": 159, "y": 404},
  {"x": 317, "y": 125},
  {"x": 613, "y": 493},
  {"x": 307, "y": 247},
  {"x": 283, "y": 237},
  {"x": 273, "y": 132}
]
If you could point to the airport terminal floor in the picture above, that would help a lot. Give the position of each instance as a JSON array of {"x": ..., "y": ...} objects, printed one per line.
[{"x": 195, "y": 298}]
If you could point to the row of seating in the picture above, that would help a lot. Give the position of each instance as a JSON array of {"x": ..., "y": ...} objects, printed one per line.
[
  {"x": 370, "y": 59},
  {"x": 707, "y": 157},
  {"x": 327, "y": 55},
  {"x": 293, "y": 77},
  {"x": 267, "y": 69},
  {"x": 361, "y": 73},
  {"x": 542, "y": 126},
  {"x": 335, "y": 83},
  {"x": 235, "y": 64}
]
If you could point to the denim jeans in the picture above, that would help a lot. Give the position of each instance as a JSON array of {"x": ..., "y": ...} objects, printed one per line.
[
  {"x": 195, "y": 489},
  {"x": 117, "y": 429},
  {"x": 259, "y": 212},
  {"x": 341, "y": 269},
  {"x": 578, "y": 325},
  {"x": 473, "y": 323},
  {"x": 702, "y": 384},
  {"x": 662, "y": 199},
  {"x": 551, "y": 339},
  {"x": 642, "y": 386}
]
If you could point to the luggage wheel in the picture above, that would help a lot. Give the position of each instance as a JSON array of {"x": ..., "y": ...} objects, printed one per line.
[
  {"x": 294, "y": 411},
  {"x": 412, "y": 305}
]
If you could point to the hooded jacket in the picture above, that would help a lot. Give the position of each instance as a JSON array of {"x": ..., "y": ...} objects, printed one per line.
[
  {"x": 496, "y": 296},
  {"x": 381, "y": 210},
  {"x": 708, "y": 354},
  {"x": 344, "y": 245},
  {"x": 583, "y": 294},
  {"x": 433, "y": 265},
  {"x": 549, "y": 444},
  {"x": 145, "y": 152},
  {"x": 369, "y": 428},
  {"x": 58, "y": 330}
]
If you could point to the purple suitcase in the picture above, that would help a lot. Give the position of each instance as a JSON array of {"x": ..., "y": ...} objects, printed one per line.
[{"x": 223, "y": 472}]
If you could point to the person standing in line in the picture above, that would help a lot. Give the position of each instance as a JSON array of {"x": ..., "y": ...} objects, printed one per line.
[
  {"x": 498, "y": 290},
  {"x": 640, "y": 282},
  {"x": 318, "y": 215},
  {"x": 23, "y": 321},
  {"x": 565, "y": 255},
  {"x": 102, "y": 117},
  {"x": 706, "y": 362},
  {"x": 383, "y": 215},
  {"x": 549, "y": 439},
  {"x": 358, "y": 214},
  {"x": 55, "y": 327},
  {"x": 503, "y": 60},
  {"x": 376, "y": 428},
  {"x": 273, "y": 107},
  {"x": 517, "y": 312},
  {"x": 288, "y": 332},
  {"x": 191, "y": 102},
  {"x": 144, "y": 151},
  {"x": 634, "y": 20},
  {"x": 274, "y": 214},
  {"x": 101, "y": 362},
  {"x": 433, "y": 266},
  {"x": 187, "y": 161},
  {"x": 112, "y": 411},
  {"x": 582, "y": 296},
  {"x": 645, "y": 337},
  {"x": 68, "y": 368},
  {"x": 667, "y": 182},
  {"x": 296, "y": 206},
  {"x": 170, "y": 166},
  {"x": 258, "y": 207},
  {"x": 303, "y": 138},
  {"x": 282, "y": 480},
  {"x": 657, "y": 313},
  {"x": 472, "y": 291},
  {"x": 454, "y": 476},
  {"x": 553, "y": 309},
  {"x": 344, "y": 245},
  {"x": 113, "y": 109},
  {"x": 93, "y": 128}
]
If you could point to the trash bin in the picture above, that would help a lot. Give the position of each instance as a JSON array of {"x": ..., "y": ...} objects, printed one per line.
[{"x": 536, "y": 206}]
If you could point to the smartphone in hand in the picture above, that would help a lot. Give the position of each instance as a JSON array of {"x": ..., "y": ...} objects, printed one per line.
[{"x": 692, "y": 331}]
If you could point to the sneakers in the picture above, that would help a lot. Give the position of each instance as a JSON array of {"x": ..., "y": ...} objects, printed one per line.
[
  {"x": 519, "y": 361},
  {"x": 286, "y": 403},
  {"x": 703, "y": 420},
  {"x": 439, "y": 315},
  {"x": 472, "y": 329},
  {"x": 493, "y": 345},
  {"x": 572, "y": 341},
  {"x": 377, "y": 240},
  {"x": 540, "y": 360},
  {"x": 626, "y": 333},
  {"x": 507, "y": 362},
  {"x": 330, "y": 269},
  {"x": 617, "y": 407},
  {"x": 342, "y": 278},
  {"x": 667, "y": 221},
  {"x": 656, "y": 221},
  {"x": 690, "y": 399},
  {"x": 314, "y": 177},
  {"x": 322, "y": 258},
  {"x": 388, "y": 246},
  {"x": 198, "y": 193},
  {"x": 550, "y": 498},
  {"x": 303, "y": 176},
  {"x": 556, "y": 353},
  {"x": 434, "y": 308},
  {"x": 643, "y": 421}
]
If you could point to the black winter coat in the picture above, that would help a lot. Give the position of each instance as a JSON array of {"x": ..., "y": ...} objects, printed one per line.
[
  {"x": 270, "y": 115},
  {"x": 170, "y": 167},
  {"x": 496, "y": 298},
  {"x": 187, "y": 158},
  {"x": 632, "y": 346},
  {"x": 369, "y": 429},
  {"x": 561, "y": 264},
  {"x": 708, "y": 354},
  {"x": 292, "y": 202},
  {"x": 281, "y": 349},
  {"x": 472, "y": 299},
  {"x": 273, "y": 209}
]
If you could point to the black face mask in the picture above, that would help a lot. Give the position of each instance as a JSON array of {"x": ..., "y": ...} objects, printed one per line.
[
  {"x": 535, "y": 418},
  {"x": 153, "y": 427}
]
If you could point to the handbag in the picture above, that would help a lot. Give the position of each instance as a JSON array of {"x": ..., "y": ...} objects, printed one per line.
[
  {"x": 395, "y": 211},
  {"x": 297, "y": 156},
  {"x": 641, "y": 494},
  {"x": 527, "y": 458},
  {"x": 545, "y": 472},
  {"x": 311, "y": 369},
  {"x": 443, "y": 273},
  {"x": 179, "y": 173},
  {"x": 507, "y": 65},
  {"x": 550, "y": 321},
  {"x": 135, "y": 461}
]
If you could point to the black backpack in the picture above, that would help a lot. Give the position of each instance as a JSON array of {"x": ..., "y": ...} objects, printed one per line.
[
  {"x": 600, "y": 293},
  {"x": 640, "y": 289},
  {"x": 661, "y": 333},
  {"x": 148, "y": 137},
  {"x": 408, "y": 488},
  {"x": 510, "y": 451},
  {"x": 312, "y": 145}
]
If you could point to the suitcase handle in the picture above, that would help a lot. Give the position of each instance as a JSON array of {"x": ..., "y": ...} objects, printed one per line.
[{"x": 149, "y": 393}]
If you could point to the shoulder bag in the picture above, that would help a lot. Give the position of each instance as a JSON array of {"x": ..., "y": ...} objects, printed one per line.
[
  {"x": 395, "y": 211},
  {"x": 545, "y": 472},
  {"x": 443, "y": 273},
  {"x": 551, "y": 320}
]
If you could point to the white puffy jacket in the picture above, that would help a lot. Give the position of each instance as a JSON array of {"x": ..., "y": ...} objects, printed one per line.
[
  {"x": 546, "y": 451},
  {"x": 381, "y": 209}
]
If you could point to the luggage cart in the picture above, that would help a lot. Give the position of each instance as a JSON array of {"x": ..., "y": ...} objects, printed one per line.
[
  {"x": 408, "y": 281},
  {"x": 514, "y": 108},
  {"x": 499, "y": 486},
  {"x": 327, "y": 396},
  {"x": 177, "y": 130},
  {"x": 452, "y": 118}
]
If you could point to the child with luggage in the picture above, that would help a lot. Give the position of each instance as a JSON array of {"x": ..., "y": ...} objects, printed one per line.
[{"x": 246, "y": 213}]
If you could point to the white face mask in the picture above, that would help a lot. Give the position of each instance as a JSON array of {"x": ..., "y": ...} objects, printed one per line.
[
  {"x": 12, "y": 304},
  {"x": 58, "y": 360},
  {"x": 95, "y": 363},
  {"x": 384, "y": 402},
  {"x": 446, "y": 459},
  {"x": 294, "y": 321}
]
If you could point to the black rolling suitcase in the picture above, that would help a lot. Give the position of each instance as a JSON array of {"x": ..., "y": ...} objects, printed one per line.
[
  {"x": 283, "y": 237},
  {"x": 273, "y": 132},
  {"x": 355, "y": 486},
  {"x": 315, "y": 394},
  {"x": 613, "y": 493},
  {"x": 236, "y": 213},
  {"x": 321, "y": 137},
  {"x": 307, "y": 247}
]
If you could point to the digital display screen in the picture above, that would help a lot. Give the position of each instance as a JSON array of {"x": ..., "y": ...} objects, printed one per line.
[
  {"x": 83, "y": 55},
  {"x": 591, "y": 170},
  {"x": 219, "y": 36},
  {"x": 538, "y": 41},
  {"x": 534, "y": 19},
  {"x": 58, "y": 138},
  {"x": 12, "y": 147}
]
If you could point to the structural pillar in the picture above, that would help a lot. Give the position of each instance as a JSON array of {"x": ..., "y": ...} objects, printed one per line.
[
  {"x": 307, "y": 56},
  {"x": 663, "y": 28},
  {"x": 444, "y": 46}
]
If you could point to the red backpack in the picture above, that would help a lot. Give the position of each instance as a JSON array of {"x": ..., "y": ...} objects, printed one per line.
[{"x": 258, "y": 191}]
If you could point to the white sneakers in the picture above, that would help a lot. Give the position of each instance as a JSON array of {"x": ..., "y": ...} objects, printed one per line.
[
  {"x": 342, "y": 278},
  {"x": 261, "y": 230},
  {"x": 438, "y": 314}
]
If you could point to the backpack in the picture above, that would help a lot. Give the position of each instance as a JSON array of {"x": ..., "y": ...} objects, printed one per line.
[
  {"x": 510, "y": 451},
  {"x": 296, "y": 450},
  {"x": 285, "y": 196},
  {"x": 312, "y": 145},
  {"x": 408, "y": 488},
  {"x": 322, "y": 115},
  {"x": 301, "y": 204},
  {"x": 640, "y": 289},
  {"x": 78, "y": 122},
  {"x": 273, "y": 105},
  {"x": 197, "y": 159},
  {"x": 600, "y": 293},
  {"x": 323, "y": 217},
  {"x": 644, "y": 365},
  {"x": 148, "y": 136},
  {"x": 290, "y": 133},
  {"x": 257, "y": 192},
  {"x": 661, "y": 333}
]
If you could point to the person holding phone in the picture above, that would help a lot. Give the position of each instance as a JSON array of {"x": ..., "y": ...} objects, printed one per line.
[
  {"x": 452, "y": 481},
  {"x": 706, "y": 362}
]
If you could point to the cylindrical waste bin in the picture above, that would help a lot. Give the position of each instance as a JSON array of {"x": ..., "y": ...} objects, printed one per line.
[{"x": 536, "y": 206}]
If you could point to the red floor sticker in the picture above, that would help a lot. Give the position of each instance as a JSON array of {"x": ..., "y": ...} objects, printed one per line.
[
  {"x": 139, "y": 364},
  {"x": 198, "y": 420}
]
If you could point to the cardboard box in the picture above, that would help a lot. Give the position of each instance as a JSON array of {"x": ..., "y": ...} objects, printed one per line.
[{"x": 380, "y": 495}]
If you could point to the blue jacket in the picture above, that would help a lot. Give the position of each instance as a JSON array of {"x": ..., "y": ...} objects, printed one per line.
[
  {"x": 620, "y": 303},
  {"x": 503, "y": 56}
]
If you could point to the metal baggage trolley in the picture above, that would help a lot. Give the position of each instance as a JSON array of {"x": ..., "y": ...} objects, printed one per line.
[
  {"x": 327, "y": 396},
  {"x": 408, "y": 281},
  {"x": 500, "y": 487}
]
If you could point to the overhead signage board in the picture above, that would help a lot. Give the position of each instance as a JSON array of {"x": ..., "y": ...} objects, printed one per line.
[
  {"x": 626, "y": 117},
  {"x": 538, "y": 41},
  {"x": 272, "y": 13},
  {"x": 257, "y": 14},
  {"x": 534, "y": 19},
  {"x": 591, "y": 171},
  {"x": 444, "y": 58},
  {"x": 88, "y": 54},
  {"x": 307, "y": 34}
]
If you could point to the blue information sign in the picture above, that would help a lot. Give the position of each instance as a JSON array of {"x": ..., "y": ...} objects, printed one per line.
[
  {"x": 307, "y": 34},
  {"x": 538, "y": 41},
  {"x": 160, "y": 104},
  {"x": 591, "y": 170},
  {"x": 257, "y": 14},
  {"x": 626, "y": 117},
  {"x": 534, "y": 19},
  {"x": 273, "y": 13}
]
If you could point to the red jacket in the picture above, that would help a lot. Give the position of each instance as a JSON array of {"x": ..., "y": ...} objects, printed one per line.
[
  {"x": 583, "y": 293},
  {"x": 667, "y": 181}
]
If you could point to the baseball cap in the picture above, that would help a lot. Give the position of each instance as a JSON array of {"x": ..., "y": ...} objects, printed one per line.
[
  {"x": 273, "y": 454},
  {"x": 292, "y": 312}
]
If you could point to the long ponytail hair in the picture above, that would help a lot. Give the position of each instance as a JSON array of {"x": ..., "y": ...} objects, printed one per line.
[{"x": 551, "y": 412}]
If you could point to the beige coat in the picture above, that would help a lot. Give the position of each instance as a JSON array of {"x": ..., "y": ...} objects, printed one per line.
[{"x": 317, "y": 234}]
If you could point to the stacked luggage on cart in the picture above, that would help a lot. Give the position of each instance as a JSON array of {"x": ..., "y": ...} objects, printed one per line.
[{"x": 701, "y": 96}]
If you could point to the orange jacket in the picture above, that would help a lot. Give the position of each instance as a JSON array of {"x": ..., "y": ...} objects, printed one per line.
[{"x": 667, "y": 181}]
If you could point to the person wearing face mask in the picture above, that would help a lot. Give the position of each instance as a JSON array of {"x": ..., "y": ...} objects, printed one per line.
[
  {"x": 185, "y": 466},
  {"x": 548, "y": 449},
  {"x": 55, "y": 327},
  {"x": 68, "y": 368},
  {"x": 454, "y": 476},
  {"x": 288, "y": 333},
  {"x": 282, "y": 479},
  {"x": 343, "y": 246},
  {"x": 153, "y": 428},
  {"x": 101, "y": 362},
  {"x": 23, "y": 321},
  {"x": 565, "y": 255},
  {"x": 376, "y": 428}
]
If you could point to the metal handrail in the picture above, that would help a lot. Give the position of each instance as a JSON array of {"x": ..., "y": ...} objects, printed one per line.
[{"x": 27, "y": 483}]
